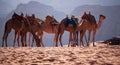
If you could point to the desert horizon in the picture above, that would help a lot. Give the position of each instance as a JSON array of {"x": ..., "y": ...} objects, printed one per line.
[{"x": 102, "y": 54}]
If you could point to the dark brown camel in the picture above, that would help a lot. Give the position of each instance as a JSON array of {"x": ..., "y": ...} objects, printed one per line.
[{"x": 13, "y": 23}]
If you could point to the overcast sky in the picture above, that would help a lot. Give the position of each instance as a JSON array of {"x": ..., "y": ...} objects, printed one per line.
[{"x": 65, "y": 5}]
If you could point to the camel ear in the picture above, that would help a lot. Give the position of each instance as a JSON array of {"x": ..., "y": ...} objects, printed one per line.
[
  {"x": 14, "y": 12},
  {"x": 33, "y": 15},
  {"x": 52, "y": 16},
  {"x": 84, "y": 12},
  {"x": 22, "y": 14},
  {"x": 25, "y": 15}
]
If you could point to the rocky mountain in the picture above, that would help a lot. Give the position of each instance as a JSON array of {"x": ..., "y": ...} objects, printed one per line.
[
  {"x": 110, "y": 26},
  {"x": 40, "y": 10}
]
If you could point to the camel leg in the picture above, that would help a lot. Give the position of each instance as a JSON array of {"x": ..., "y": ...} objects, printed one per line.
[
  {"x": 41, "y": 41},
  {"x": 89, "y": 33},
  {"x": 15, "y": 38},
  {"x": 70, "y": 39},
  {"x": 29, "y": 39},
  {"x": 74, "y": 39},
  {"x": 55, "y": 40},
  {"x": 41, "y": 35},
  {"x": 82, "y": 33},
  {"x": 23, "y": 39},
  {"x": 5, "y": 39},
  {"x": 6, "y": 32},
  {"x": 18, "y": 38},
  {"x": 36, "y": 39},
  {"x": 60, "y": 39},
  {"x": 77, "y": 38},
  {"x": 94, "y": 32},
  {"x": 81, "y": 38},
  {"x": 32, "y": 41}
]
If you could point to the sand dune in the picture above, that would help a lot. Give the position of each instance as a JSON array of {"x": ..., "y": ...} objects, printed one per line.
[{"x": 99, "y": 55}]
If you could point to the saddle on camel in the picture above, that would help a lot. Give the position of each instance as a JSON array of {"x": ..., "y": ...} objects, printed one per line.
[
  {"x": 70, "y": 21},
  {"x": 51, "y": 21}
]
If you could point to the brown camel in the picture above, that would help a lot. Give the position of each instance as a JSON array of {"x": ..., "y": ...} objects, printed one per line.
[
  {"x": 23, "y": 29},
  {"x": 89, "y": 23},
  {"x": 33, "y": 27},
  {"x": 35, "y": 22},
  {"x": 71, "y": 29},
  {"x": 51, "y": 26},
  {"x": 13, "y": 23}
]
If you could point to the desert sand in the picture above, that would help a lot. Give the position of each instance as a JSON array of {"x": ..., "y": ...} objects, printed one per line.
[{"x": 102, "y": 54}]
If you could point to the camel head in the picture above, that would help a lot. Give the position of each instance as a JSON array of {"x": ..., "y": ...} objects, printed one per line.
[
  {"x": 102, "y": 17},
  {"x": 85, "y": 16}
]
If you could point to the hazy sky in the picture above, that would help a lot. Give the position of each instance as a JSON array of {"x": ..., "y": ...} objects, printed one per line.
[{"x": 65, "y": 5}]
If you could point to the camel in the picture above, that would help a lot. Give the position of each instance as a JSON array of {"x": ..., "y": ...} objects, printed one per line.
[
  {"x": 89, "y": 23},
  {"x": 13, "y": 23},
  {"x": 35, "y": 22},
  {"x": 69, "y": 28},
  {"x": 20, "y": 25},
  {"x": 51, "y": 26}
]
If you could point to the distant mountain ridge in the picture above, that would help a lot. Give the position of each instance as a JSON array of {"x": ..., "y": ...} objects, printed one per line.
[
  {"x": 40, "y": 10},
  {"x": 110, "y": 26}
]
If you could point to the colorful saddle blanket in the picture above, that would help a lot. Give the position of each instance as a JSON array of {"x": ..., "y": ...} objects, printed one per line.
[{"x": 70, "y": 21}]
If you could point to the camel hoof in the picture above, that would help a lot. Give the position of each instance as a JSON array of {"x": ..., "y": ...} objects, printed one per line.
[
  {"x": 94, "y": 45},
  {"x": 88, "y": 45}
]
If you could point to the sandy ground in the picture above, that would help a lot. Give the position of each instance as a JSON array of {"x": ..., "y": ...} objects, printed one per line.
[{"x": 99, "y": 55}]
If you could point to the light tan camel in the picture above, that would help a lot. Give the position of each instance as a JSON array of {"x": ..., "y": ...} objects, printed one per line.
[
  {"x": 89, "y": 23},
  {"x": 51, "y": 26},
  {"x": 71, "y": 29}
]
